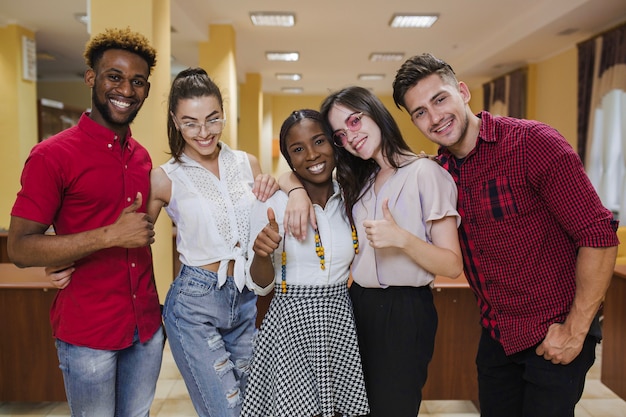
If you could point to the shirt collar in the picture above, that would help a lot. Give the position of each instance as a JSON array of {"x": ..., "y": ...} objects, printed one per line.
[{"x": 101, "y": 133}]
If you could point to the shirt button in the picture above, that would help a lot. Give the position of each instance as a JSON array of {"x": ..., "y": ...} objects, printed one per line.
[
  {"x": 132, "y": 264},
  {"x": 135, "y": 296},
  {"x": 110, "y": 146},
  {"x": 128, "y": 199}
]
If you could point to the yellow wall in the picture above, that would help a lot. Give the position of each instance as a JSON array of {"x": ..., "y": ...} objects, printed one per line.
[
  {"x": 18, "y": 116},
  {"x": 553, "y": 88}
]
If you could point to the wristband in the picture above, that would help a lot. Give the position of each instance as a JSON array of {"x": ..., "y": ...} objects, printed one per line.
[{"x": 293, "y": 189}]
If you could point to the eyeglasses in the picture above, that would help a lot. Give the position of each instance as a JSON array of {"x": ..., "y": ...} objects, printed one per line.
[
  {"x": 353, "y": 123},
  {"x": 212, "y": 126}
]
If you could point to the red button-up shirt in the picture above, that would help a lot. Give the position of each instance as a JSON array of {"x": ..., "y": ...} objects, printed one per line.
[
  {"x": 82, "y": 179},
  {"x": 526, "y": 206}
]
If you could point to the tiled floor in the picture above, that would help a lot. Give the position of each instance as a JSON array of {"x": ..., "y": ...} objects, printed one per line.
[{"x": 172, "y": 400}]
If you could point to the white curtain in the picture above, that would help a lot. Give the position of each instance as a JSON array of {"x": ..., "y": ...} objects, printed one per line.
[{"x": 606, "y": 135}]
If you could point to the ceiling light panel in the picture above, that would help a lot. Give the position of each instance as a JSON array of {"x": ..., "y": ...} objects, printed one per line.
[
  {"x": 413, "y": 20},
  {"x": 291, "y": 90},
  {"x": 273, "y": 19},
  {"x": 386, "y": 56},
  {"x": 282, "y": 56},
  {"x": 289, "y": 77},
  {"x": 371, "y": 77}
]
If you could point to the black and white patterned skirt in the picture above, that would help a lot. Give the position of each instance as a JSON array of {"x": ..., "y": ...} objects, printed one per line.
[{"x": 306, "y": 360}]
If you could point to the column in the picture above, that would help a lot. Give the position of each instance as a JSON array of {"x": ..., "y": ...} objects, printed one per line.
[
  {"x": 251, "y": 114},
  {"x": 152, "y": 19},
  {"x": 217, "y": 57}
]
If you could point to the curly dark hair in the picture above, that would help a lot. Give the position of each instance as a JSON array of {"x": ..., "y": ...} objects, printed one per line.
[
  {"x": 124, "y": 39},
  {"x": 356, "y": 175},
  {"x": 189, "y": 83},
  {"x": 417, "y": 68}
]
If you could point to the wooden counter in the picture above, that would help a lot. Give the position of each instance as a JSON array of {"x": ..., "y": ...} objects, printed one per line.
[
  {"x": 29, "y": 367},
  {"x": 452, "y": 372},
  {"x": 613, "y": 373}
]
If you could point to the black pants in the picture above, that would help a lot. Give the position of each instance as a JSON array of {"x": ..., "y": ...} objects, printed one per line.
[
  {"x": 526, "y": 385},
  {"x": 396, "y": 329}
]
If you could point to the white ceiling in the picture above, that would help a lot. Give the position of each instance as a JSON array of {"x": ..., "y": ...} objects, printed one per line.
[{"x": 481, "y": 39}]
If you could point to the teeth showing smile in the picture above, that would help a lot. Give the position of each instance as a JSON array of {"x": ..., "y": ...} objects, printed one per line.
[
  {"x": 316, "y": 169},
  {"x": 444, "y": 127},
  {"x": 118, "y": 103},
  {"x": 359, "y": 144}
]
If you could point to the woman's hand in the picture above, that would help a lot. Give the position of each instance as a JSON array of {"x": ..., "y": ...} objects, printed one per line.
[
  {"x": 60, "y": 275},
  {"x": 269, "y": 238},
  {"x": 264, "y": 187},
  {"x": 298, "y": 213}
]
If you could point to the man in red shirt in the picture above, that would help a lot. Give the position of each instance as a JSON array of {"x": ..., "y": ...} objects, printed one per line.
[
  {"x": 91, "y": 182},
  {"x": 538, "y": 246}
]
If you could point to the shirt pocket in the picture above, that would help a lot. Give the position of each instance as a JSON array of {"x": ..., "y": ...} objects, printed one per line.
[{"x": 497, "y": 199}]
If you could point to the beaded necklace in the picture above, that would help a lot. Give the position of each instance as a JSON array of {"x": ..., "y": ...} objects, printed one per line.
[{"x": 319, "y": 250}]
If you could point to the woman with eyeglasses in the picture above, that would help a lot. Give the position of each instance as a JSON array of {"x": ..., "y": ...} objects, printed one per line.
[
  {"x": 306, "y": 360},
  {"x": 207, "y": 190},
  {"x": 404, "y": 210}
]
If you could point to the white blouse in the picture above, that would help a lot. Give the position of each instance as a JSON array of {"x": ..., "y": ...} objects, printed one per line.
[
  {"x": 212, "y": 214},
  {"x": 303, "y": 264}
]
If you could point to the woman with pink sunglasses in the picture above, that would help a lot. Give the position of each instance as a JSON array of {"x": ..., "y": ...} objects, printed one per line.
[{"x": 404, "y": 210}]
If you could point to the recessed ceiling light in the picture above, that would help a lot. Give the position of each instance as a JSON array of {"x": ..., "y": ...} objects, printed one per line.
[
  {"x": 413, "y": 20},
  {"x": 386, "y": 56},
  {"x": 291, "y": 90},
  {"x": 273, "y": 19},
  {"x": 289, "y": 77},
  {"x": 282, "y": 56},
  {"x": 371, "y": 77}
]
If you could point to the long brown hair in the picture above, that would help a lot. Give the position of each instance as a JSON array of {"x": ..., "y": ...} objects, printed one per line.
[{"x": 356, "y": 175}]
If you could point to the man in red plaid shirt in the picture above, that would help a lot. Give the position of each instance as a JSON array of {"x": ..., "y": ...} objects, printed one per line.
[{"x": 539, "y": 247}]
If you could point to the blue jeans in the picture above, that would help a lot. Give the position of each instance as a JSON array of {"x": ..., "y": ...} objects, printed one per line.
[
  {"x": 210, "y": 331},
  {"x": 108, "y": 383}
]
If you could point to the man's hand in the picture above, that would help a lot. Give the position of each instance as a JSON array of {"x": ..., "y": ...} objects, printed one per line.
[
  {"x": 131, "y": 229},
  {"x": 559, "y": 345}
]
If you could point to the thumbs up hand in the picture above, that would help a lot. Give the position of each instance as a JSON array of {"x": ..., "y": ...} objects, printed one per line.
[
  {"x": 383, "y": 233},
  {"x": 269, "y": 238},
  {"x": 131, "y": 229}
]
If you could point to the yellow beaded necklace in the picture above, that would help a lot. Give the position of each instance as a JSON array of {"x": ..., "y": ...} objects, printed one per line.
[{"x": 319, "y": 250}]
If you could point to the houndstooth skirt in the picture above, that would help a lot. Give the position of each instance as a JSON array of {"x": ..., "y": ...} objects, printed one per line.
[{"x": 306, "y": 360}]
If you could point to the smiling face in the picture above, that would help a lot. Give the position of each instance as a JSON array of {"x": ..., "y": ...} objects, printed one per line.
[
  {"x": 119, "y": 84},
  {"x": 365, "y": 142},
  {"x": 311, "y": 153},
  {"x": 199, "y": 111},
  {"x": 440, "y": 110}
]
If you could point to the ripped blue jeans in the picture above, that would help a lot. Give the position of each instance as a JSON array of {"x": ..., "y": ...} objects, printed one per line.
[{"x": 210, "y": 332}]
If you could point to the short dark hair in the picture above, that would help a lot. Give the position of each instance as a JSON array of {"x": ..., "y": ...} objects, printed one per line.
[
  {"x": 124, "y": 39},
  {"x": 417, "y": 68},
  {"x": 296, "y": 117},
  {"x": 189, "y": 83}
]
